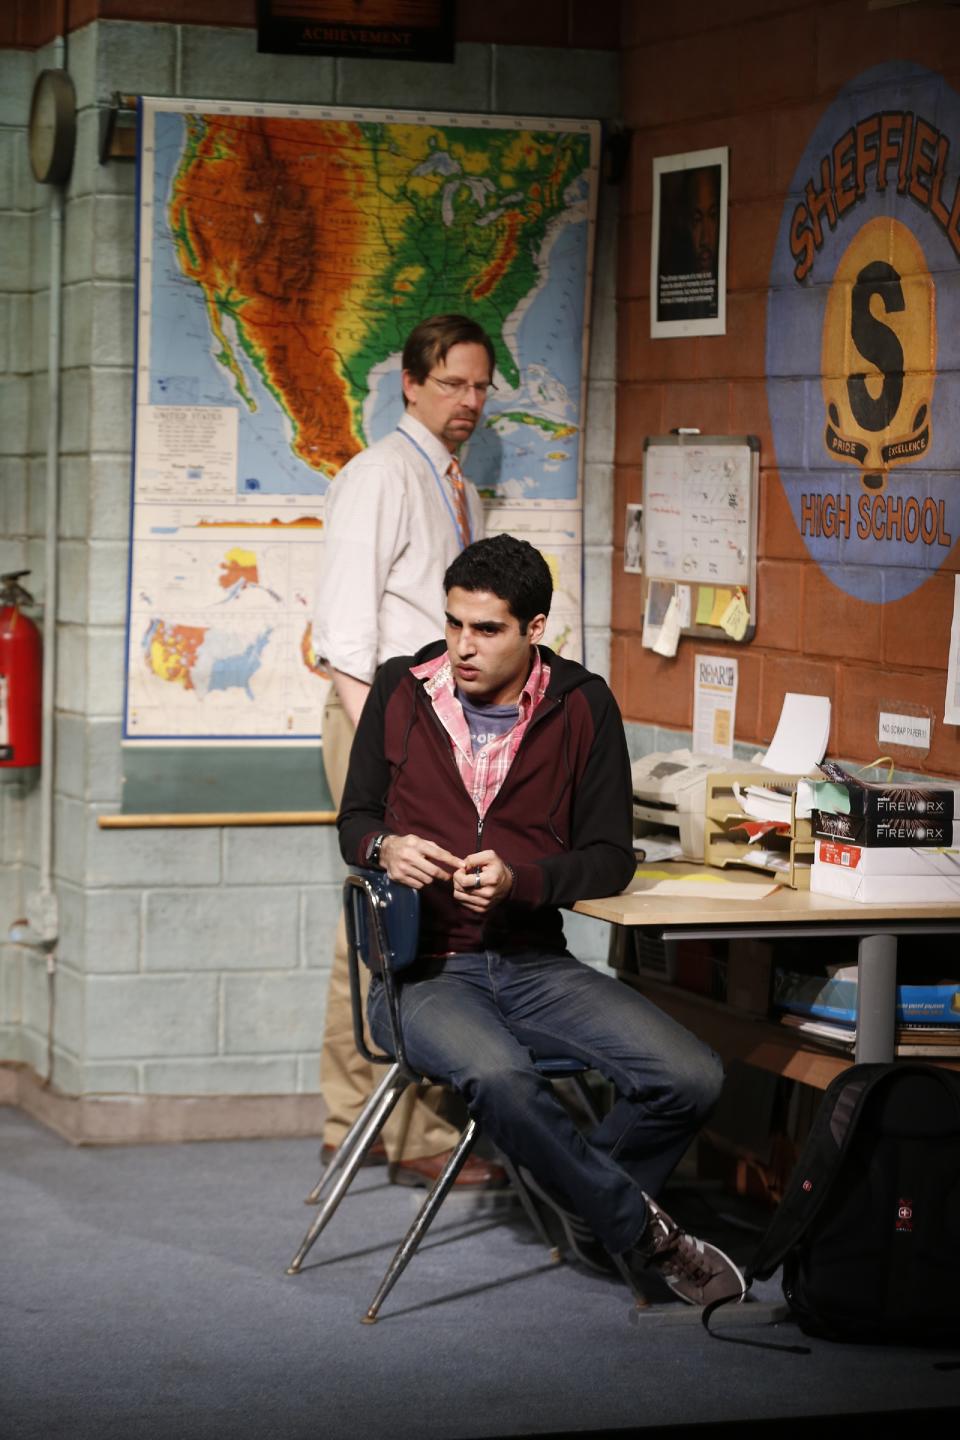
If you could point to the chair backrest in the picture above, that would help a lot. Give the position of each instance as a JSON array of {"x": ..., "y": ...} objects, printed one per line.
[
  {"x": 386, "y": 918},
  {"x": 383, "y": 923}
]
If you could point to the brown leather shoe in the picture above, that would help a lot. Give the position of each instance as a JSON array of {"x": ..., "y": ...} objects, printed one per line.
[
  {"x": 477, "y": 1173},
  {"x": 376, "y": 1155}
]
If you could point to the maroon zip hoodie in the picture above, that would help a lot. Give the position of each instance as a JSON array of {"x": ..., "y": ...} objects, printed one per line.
[{"x": 562, "y": 818}]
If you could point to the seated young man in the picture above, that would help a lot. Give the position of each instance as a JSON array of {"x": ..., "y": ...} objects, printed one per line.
[{"x": 492, "y": 775}]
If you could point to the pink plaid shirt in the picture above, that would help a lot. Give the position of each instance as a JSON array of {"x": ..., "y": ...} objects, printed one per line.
[{"x": 484, "y": 772}]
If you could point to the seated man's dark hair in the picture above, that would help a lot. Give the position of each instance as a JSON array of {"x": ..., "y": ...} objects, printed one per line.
[
  {"x": 431, "y": 340},
  {"x": 509, "y": 568}
]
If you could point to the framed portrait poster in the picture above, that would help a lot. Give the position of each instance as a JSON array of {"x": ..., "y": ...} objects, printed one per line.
[{"x": 688, "y": 263}]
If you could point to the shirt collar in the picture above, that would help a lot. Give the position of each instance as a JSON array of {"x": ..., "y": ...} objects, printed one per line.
[
  {"x": 435, "y": 449},
  {"x": 437, "y": 675}
]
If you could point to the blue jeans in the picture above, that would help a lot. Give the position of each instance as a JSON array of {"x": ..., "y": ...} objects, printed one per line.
[{"x": 478, "y": 1021}]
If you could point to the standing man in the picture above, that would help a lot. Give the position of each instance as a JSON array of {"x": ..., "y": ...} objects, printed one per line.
[
  {"x": 396, "y": 516},
  {"x": 493, "y": 776}
]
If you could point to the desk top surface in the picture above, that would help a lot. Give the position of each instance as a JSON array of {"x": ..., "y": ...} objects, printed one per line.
[{"x": 784, "y": 906}]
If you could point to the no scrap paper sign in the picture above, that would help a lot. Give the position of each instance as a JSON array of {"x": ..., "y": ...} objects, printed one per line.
[{"x": 863, "y": 334}]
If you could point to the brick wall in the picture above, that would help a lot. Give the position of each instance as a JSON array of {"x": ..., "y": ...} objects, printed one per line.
[{"x": 757, "y": 76}]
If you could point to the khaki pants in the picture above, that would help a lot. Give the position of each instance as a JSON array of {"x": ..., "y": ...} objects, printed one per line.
[{"x": 347, "y": 1080}]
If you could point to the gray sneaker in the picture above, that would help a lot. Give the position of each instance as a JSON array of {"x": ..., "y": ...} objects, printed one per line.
[{"x": 694, "y": 1269}]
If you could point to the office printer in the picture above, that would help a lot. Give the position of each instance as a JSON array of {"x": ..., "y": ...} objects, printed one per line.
[{"x": 670, "y": 793}]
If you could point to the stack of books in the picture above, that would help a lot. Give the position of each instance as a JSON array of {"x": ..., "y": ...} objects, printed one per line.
[
  {"x": 895, "y": 843},
  {"x": 825, "y": 1008}
]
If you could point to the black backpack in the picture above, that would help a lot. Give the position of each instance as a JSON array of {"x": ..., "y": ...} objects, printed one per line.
[{"x": 868, "y": 1230}]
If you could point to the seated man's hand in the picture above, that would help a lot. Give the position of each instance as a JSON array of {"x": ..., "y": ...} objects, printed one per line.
[
  {"x": 482, "y": 880},
  {"x": 416, "y": 862}
]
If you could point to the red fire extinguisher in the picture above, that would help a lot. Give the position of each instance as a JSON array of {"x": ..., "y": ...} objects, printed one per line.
[{"x": 21, "y": 676}]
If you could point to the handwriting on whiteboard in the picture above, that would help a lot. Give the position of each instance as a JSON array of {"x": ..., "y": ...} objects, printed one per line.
[{"x": 698, "y": 513}]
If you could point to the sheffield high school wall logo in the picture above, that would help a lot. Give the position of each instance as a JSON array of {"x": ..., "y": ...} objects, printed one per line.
[{"x": 863, "y": 334}]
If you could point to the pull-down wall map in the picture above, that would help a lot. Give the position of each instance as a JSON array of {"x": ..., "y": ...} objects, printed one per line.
[{"x": 284, "y": 255}]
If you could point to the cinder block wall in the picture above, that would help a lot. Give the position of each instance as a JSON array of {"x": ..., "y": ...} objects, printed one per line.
[
  {"x": 194, "y": 962},
  {"x": 757, "y": 76}
]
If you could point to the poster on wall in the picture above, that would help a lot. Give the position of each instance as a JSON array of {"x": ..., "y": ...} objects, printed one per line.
[
  {"x": 379, "y": 29},
  {"x": 863, "y": 320},
  {"x": 285, "y": 253},
  {"x": 715, "y": 681},
  {"x": 688, "y": 263}
]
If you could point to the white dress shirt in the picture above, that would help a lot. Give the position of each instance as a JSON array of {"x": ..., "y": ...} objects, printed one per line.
[{"x": 389, "y": 534}]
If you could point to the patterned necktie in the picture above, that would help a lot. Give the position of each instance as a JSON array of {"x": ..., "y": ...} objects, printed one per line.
[{"x": 459, "y": 499}]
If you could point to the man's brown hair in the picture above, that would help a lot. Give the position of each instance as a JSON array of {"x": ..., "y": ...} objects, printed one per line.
[{"x": 432, "y": 339}]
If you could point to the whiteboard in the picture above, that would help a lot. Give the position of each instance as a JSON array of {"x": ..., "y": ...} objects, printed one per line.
[{"x": 700, "y": 513}]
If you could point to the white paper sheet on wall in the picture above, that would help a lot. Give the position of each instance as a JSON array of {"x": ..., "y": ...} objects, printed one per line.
[{"x": 951, "y": 707}]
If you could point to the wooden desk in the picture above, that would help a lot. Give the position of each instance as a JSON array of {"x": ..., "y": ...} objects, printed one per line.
[{"x": 784, "y": 914}]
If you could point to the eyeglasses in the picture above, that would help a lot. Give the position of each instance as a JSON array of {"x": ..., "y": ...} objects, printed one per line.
[{"x": 458, "y": 388}]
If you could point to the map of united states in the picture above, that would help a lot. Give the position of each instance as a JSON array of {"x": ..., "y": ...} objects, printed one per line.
[
  {"x": 285, "y": 254},
  {"x": 318, "y": 250},
  {"x": 202, "y": 658}
]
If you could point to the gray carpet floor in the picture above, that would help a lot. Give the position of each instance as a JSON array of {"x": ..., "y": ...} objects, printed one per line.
[{"x": 143, "y": 1294}]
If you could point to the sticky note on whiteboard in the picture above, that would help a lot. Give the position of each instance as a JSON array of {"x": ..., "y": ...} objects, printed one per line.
[
  {"x": 721, "y": 599},
  {"x": 705, "y": 598}
]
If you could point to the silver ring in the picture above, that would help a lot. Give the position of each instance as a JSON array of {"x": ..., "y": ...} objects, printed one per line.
[{"x": 477, "y": 882}]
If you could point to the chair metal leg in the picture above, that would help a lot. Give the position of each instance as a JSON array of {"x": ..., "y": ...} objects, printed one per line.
[
  {"x": 630, "y": 1280},
  {"x": 354, "y": 1136},
  {"x": 425, "y": 1216},
  {"x": 350, "y": 1167},
  {"x": 618, "y": 1262},
  {"x": 529, "y": 1209}
]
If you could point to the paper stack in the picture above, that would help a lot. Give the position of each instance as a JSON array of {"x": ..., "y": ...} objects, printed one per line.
[
  {"x": 895, "y": 843},
  {"x": 798, "y": 744}
]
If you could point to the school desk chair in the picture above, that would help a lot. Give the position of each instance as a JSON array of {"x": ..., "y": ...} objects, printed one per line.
[{"x": 382, "y": 923}]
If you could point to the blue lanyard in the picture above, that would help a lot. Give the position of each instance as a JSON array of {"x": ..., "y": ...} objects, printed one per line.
[{"x": 443, "y": 490}]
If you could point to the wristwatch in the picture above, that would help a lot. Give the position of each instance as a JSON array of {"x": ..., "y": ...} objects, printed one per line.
[{"x": 372, "y": 856}]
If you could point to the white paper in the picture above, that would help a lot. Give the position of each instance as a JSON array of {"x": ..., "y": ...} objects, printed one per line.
[
  {"x": 801, "y": 737},
  {"x": 669, "y": 638},
  {"x": 951, "y": 706},
  {"x": 765, "y": 859},
  {"x": 658, "y": 847},
  {"x": 715, "y": 680},
  {"x": 805, "y": 798},
  {"x": 762, "y": 804},
  {"x": 660, "y": 596},
  {"x": 912, "y": 730}
]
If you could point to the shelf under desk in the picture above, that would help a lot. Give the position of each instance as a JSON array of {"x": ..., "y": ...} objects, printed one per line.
[{"x": 784, "y": 914}]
